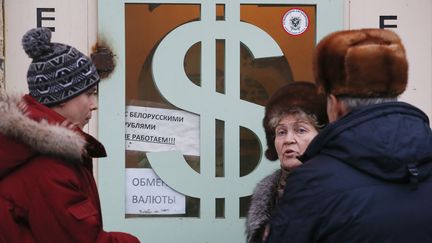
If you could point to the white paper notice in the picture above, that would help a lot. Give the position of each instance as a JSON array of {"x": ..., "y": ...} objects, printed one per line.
[
  {"x": 146, "y": 193},
  {"x": 155, "y": 129}
]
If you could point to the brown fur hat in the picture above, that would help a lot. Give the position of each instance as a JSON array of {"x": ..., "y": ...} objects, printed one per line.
[
  {"x": 363, "y": 63},
  {"x": 302, "y": 95}
]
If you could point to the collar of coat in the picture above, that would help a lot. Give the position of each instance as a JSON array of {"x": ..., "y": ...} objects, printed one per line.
[
  {"x": 31, "y": 124},
  {"x": 261, "y": 206}
]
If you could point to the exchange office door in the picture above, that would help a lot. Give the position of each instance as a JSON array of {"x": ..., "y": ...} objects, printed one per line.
[{"x": 181, "y": 114}]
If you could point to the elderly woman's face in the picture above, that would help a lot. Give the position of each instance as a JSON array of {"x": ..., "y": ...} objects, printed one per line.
[{"x": 292, "y": 136}]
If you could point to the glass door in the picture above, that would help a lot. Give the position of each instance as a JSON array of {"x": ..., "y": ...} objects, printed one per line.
[{"x": 181, "y": 114}]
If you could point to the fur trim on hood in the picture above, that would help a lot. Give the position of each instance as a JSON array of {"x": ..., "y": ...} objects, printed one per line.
[{"x": 41, "y": 137}]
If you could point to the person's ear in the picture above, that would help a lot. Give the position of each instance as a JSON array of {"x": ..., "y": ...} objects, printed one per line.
[{"x": 335, "y": 108}]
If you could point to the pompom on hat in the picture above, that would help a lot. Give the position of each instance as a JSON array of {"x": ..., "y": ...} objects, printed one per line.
[
  {"x": 363, "y": 63},
  {"x": 297, "y": 95},
  {"x": 58, "y": 72}
]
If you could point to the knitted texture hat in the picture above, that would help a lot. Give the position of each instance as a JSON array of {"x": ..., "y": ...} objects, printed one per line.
[
  {"x": 58, "y": 72},
  {"x": 363, "y": 63},
  {"x": 301, "y": 95}
]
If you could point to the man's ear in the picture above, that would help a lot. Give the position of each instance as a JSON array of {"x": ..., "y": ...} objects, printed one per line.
[{"x": 335, "y": 108}]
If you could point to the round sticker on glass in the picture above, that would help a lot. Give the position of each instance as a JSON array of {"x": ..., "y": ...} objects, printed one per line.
[{"x": 295, "y": 21}]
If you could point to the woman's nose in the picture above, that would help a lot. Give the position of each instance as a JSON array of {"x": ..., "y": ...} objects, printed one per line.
[{"x": 290, "y": 138}]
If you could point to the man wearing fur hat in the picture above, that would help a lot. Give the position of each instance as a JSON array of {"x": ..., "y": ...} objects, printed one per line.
[
  {"x": 47, "y": 190},
  {"x": 367, "y": 176}
]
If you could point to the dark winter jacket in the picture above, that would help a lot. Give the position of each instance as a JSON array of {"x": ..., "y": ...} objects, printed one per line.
[
  {"x": 365, "y": 178},
  {"x": 47, "y": 190}
]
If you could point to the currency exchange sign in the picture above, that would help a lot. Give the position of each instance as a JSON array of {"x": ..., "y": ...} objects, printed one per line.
[{"x": 170, "y": 77}]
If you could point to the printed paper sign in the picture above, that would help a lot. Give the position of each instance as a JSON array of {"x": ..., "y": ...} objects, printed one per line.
[
  {"x": 146, "y": 193},
  {"x": 156, "y": 129}
]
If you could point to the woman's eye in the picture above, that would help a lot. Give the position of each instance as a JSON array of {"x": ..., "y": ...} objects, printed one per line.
[
  {"x": 280, "y": 133},
  {"x": 301, "y": 130}
]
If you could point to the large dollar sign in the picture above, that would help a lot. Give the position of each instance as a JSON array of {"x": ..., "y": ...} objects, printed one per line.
[{"x": 170, "y": 78}]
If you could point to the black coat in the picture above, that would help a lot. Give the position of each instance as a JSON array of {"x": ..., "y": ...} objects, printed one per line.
[{"x": 366, "y": 178}]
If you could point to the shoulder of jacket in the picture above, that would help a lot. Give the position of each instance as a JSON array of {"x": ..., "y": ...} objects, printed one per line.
[
  {"x": 40, "y": 136},
  {"x": 262, "y": 203},
  {"x": 267, "y": 184}
]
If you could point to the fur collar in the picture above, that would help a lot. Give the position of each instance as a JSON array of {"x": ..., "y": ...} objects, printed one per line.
[
  {"x": 45, "y": 136},
  {"x": 261, "y": 206}
]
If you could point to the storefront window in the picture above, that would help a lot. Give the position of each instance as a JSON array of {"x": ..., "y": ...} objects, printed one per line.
[{"x": 153, "y": 124}]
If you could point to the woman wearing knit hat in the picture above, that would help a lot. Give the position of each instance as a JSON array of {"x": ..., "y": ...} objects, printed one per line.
[
  {"x": 47, "y": 190},
  {"x": 293, "y": 117},
  {"x": 367, "y": 177}
]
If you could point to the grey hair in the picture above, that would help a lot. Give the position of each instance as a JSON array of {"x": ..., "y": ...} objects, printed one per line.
[
  {"x": 352, "y": 103},
  {"x": 298, "y": 113}
]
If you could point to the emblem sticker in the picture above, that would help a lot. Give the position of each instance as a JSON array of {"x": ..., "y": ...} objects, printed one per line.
[{"x": 295, "y": 21}]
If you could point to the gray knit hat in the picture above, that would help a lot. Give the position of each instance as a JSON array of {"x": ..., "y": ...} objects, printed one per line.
[{"x": 58, "y": 72}]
